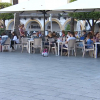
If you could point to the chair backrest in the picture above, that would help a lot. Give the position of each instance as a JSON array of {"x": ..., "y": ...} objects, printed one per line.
[
  {"x": 80, "y": 44},
  {"x": 8, "y": 41},
  {"x": 71, "y": 44},
  {"x": 51, "y": 40},
  {"x": 37, "y": 41},
  {"x": 46, "y": 38},
  {"x": 24, "y": 40}
]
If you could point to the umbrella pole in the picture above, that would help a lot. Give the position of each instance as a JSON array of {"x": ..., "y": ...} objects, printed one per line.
[{"x": 44, "y": 21}]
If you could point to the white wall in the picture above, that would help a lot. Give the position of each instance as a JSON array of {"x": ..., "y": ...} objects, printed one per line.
[{"x": 55, "y": 26}]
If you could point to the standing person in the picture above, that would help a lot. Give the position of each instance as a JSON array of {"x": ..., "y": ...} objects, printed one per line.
[
  {"x": 22, "y": 31},
  {"x": 63, "y": 33},
  {"x": 23, "y": 28}
]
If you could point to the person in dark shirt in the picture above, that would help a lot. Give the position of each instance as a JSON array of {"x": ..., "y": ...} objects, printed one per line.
[{"x": 84, "y": 35}]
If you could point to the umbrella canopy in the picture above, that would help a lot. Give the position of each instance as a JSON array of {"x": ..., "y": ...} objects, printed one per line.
[
  {"x": 35, "y": 6},
  {"x": 81, "y": 6}
]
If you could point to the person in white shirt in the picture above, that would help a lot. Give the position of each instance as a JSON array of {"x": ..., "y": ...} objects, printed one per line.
[
  {"x": 70, "y": 38},
  {"x": 68, "y": 34},
  {"x": 15, "y": 40},
  {"x": 76, "y": 34}
]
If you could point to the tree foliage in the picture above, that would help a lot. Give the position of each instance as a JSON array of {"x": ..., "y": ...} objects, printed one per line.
[
  {"x": 67, "y": 29},
  {"x": 72, "y": 0},
  {"x": 85, "y": 15},
  {"x": 5, "y": 16},
  {"x": 94, "y": 16}
]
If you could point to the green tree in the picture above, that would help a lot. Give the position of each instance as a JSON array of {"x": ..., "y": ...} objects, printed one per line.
[
  {"x": 93, "y": 16},
  {"x": 67, "y": 28},
  {"x": 5, "y": 16},
  {"x": 72, "y": 0}
]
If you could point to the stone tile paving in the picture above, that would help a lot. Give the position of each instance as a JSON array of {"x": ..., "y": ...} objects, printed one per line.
[{"x": 26, "y": 76}]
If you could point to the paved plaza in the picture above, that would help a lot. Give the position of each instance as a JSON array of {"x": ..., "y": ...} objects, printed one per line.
[{"x": 26, "y": 76}]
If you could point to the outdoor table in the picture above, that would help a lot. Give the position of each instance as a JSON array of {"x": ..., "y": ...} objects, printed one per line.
[
  {"x": 96, "y": 48},
  {"x": 59, "y": 42},
  {"x": 29, "y": 46}
]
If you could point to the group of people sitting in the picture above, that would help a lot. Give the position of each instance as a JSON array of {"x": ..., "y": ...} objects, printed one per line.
[
  {"x": 14, "y": 40},
  {"x": 89, "y": 38}
]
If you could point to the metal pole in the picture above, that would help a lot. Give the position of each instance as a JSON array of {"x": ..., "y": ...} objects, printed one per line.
[
  {"x": 51, "y": 21},
  {"x": 14, "y": 21},
  {"x": 44, "y": 21}
]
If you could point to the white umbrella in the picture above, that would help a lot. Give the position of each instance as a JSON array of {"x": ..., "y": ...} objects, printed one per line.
[
  {"x": 81, "y": 6},
  {"x": 35, "y": 6}
]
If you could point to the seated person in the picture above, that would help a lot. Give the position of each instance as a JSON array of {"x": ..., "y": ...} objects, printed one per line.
[
  {"x": 89, "y": 41},
  {"x": 36, "y": 35},
  {"x": 14, "y": 40},
  {"x": 54, "y": 35},
  {"x": 68, "y": 34},
  {"x": 66, "y": 43},
  {"x": 40, "y": 34},
  {"x": 76, "y": 34},
  {"x": 84, "y": 35},
  {"x": 99, "y": 37},
  {"x": 49, "y": 34},
  {"x": 96, "y": 39},
  {"x": 4, "y": 38},
  {"x": 70, "y": 38}
]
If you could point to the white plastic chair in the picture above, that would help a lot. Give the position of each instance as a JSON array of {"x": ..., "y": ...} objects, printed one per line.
[
  {"x": 6, "y": 45},
  {"x": 71, "y": 47},
  {"x": 37, "y": 44},
  {"x": 90, "y": 48},
  {"x": 24, "y": 43}
]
